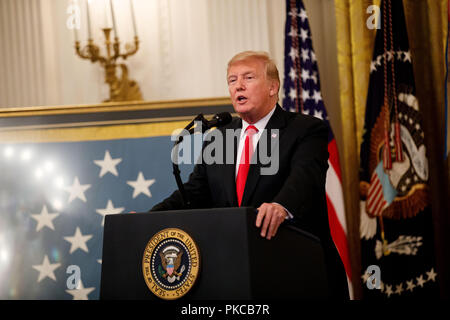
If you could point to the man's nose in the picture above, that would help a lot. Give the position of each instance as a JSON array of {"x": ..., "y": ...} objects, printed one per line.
[{"x": 240, "y": 85}]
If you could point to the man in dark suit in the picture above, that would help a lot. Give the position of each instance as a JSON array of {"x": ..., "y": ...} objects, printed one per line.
[{"x": 292, "y": 193}]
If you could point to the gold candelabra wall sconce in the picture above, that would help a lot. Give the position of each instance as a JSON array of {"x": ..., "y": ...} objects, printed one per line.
[{"x": 123, "y": 88}]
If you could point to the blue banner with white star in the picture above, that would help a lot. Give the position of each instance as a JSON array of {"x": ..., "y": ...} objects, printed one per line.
[{"x": 53, "y": 200}]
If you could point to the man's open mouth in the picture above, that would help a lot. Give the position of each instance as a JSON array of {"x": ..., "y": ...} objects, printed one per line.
[{"x": 241, "y": 99}]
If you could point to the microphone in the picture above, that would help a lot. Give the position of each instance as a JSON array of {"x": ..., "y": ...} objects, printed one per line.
[{"x": 219, "y": 120}]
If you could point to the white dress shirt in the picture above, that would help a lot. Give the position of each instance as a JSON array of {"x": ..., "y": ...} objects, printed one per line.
[{"x": 260, "y": 125}]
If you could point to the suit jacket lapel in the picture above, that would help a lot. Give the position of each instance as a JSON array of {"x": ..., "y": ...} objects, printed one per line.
[{"x": 277, "y": 121}]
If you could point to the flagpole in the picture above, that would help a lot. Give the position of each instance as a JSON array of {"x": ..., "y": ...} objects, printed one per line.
[
  {"x": 383, "y": 239},
  {"x": 446, "y": 82}
]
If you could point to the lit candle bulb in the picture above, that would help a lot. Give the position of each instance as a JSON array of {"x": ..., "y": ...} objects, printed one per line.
[
  {"x": 106, "y": 15},
  {"x": 75, "y": 10},
  {"x": 133, "y": 18},
  {"x": 88, "y": 20},
  {"x": 76, "y": 33},
  {"x": 113, "y": 18}
]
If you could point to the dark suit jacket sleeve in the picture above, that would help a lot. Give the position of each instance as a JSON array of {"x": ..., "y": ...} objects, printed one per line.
[
  {"x": 304, "y": 187},
  {"x": 303, "y": 194},
  {"x": 197, "y": 191}
]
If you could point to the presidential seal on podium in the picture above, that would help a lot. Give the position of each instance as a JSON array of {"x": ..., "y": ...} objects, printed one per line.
[{"x": 171, "y": 263}]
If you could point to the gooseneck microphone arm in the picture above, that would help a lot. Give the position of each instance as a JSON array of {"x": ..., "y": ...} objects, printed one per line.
[
  {"x": 176, "y": 170},
  {"x": 218, "y": 120}
]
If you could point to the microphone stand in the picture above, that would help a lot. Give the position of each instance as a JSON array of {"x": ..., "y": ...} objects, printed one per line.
[{"x": 176, "y": 170}]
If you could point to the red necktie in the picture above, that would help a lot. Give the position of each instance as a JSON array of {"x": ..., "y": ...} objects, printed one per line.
[{"x": 244, "y": 164}]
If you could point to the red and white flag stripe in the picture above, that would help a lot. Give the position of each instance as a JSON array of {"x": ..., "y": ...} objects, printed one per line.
[
  {"x": 375, "y": 199},
  {"x": 336, "y": 210}
]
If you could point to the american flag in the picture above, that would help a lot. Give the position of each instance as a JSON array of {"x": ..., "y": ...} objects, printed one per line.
[
  {"x": 302, "y": 94},
  {"x": 53, "y": 200},
  {"x": 381, "y": 193}
]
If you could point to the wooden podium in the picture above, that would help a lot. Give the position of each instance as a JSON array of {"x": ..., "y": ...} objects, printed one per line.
[{"x": 235, "y": 261}]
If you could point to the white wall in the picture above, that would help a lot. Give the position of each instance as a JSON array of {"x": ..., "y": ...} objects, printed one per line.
[{"x": 185, "y": 46}]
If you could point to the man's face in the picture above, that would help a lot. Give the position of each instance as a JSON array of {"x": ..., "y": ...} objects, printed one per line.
[{"x": 252, "y": 95}]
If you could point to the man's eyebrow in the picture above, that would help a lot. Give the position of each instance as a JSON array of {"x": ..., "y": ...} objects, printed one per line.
[{"x": 245, "y": 73}]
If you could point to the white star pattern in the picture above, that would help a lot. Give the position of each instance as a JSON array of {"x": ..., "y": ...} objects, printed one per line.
[
  {"x": 293, "y": 74},
  {"x": 303, "y": 64},
  {"x": 304, "y": 75},
  {"x": 77, "y": 190},
  {"x": 293, "y": 54},
  {"x": 317, "y": 96},
  {"x": 404, "y": 56},
  {"x": 78, "y": 241},
  {"x": 305, "y": 95},
  {"x": 318, "y": 114},
  {"x": 108, "y": 164},
  {"x": 293, "y": 33},
  {"x": 407, "y": 56},
  {"x": 141, "y": 185},
  {"x": 378, "y": 61},
  {"x": 44, "y": 219},
  {"x": 293, "y": 94},
  {"x": 303, "y": 14},
  {"x": 46, "y": 269},
  {"x": 410, "y": 285},
  {"x": 109, "y": 210},
  {"x": 388, "y": 290},
  {"x": 399, "y": 288},
  {"x": 80, "y": 293},
  {"x": 373, "y": 67},
  {"x": 431, "y": 275},
  {"x": 305, "y": 54},
  {"x": 303, "y": 34}
]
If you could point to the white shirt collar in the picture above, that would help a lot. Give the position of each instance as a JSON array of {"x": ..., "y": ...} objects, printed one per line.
[{"x": 260, "y": 124}]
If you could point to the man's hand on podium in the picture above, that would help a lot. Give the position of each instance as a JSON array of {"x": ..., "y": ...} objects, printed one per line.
[{"x": 270, "y": 216}]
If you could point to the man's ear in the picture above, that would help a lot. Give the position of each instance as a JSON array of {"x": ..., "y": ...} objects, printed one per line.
[{"x": 274, "y": 88}]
